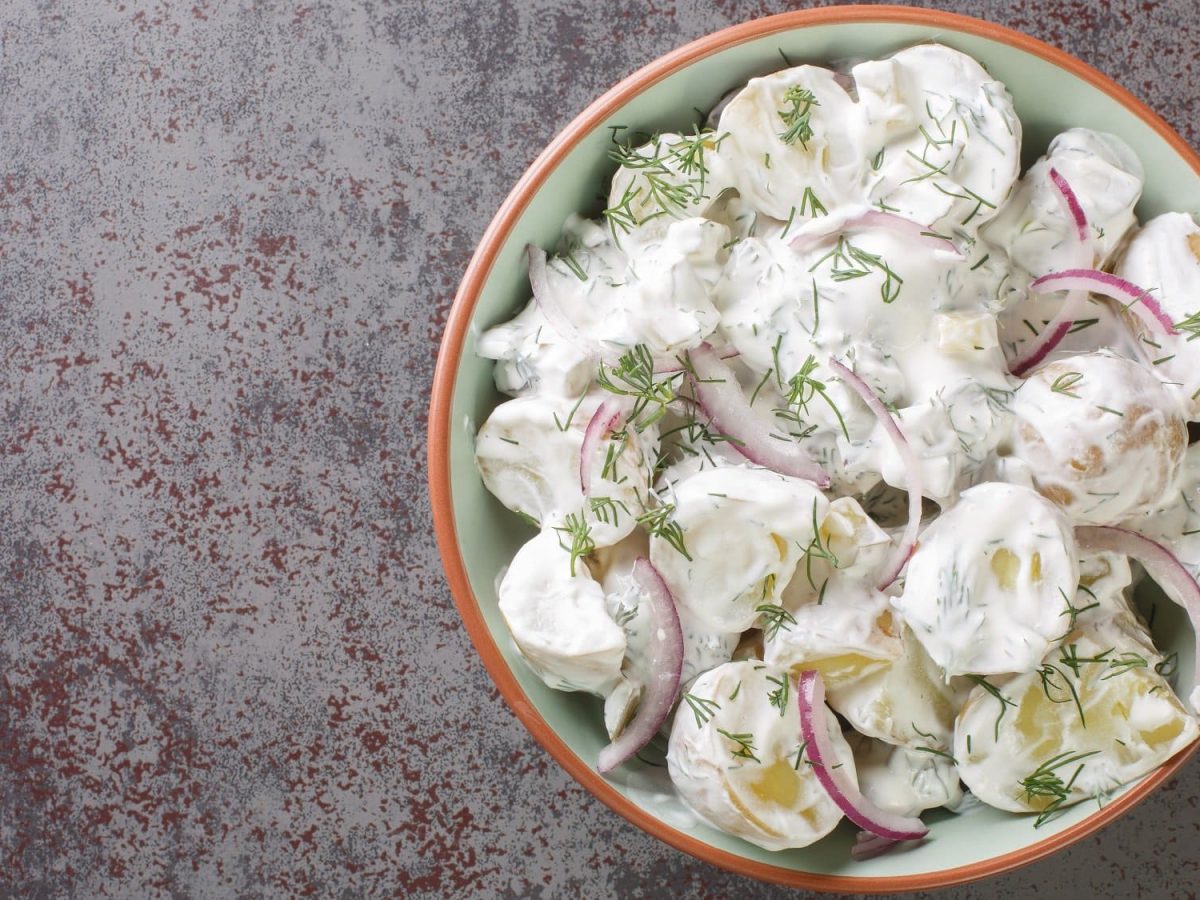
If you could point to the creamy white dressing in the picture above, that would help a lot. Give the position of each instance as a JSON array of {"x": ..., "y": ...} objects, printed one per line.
[
  {"x": 737, "y": 758},
  {"x": 875, "y": 218},
  {"x": 1103, "y": 438},
  {"x": 1164, "y": 258},
  {"x": 984, "y": 589}
]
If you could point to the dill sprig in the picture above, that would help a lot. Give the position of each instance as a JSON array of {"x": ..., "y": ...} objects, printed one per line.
[
  {"x": 797, "y": 118},
  {"x": 579, "y": 533},
  {"x": 608, "y": 510},
  {"x": 745, "y": 745},
  {"x": 779, "y": 697},
  {"x": 775, "y": 619},
  {"x": 563, "y": 426},
  {"x": 848, "y": 261},
  {"x": 622, "y": 215},
  {"x": 809, "y": 201},
  {"x": 1190, "y": 326},
  {"x": 1065, "y": 384},
  {"x": 659, "y": 523},
  {"x": 1072, "y": 660},
  {"x": 633, "y": 376},
  {"x": 1054, "y": 681},
  {"x": 995, "y": 692},
  {"x": 1167, "y": 667},
  {"x": 817, "y": 549},
  {"x": 1045, "y": 781},
  {"x": 1126, "y": 662},
  {"x": 1075, "y": 611},
  {"x": 801, "y": 389},
  {"x": 702, "y": 708}
]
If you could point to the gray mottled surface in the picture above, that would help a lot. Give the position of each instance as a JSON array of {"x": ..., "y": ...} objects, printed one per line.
[{"x": 229, "y": 236}]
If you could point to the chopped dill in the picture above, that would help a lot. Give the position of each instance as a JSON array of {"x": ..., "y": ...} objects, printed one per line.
[
  {"x": 744, "y": 745},
  {"x": 580, "y": 534},
  {"x": 797, "y": 118},
  {"x": 702, "y": 708},
  {"x": 1045, "y": 781},
  {"x": 995, "y": 692},
  {"x": 775, "y": 618},
  {"x": 1065, "y": 384}
]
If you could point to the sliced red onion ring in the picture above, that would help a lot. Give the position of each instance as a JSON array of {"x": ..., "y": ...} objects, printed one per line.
[
  {"x": 912, "y": 472},
  {"x": 1161, "y": 565},
  {"x": 868, "y": 846},
  {"x": 1132, "y": 297},
  {"x": 1070, "y": 309},
  {"x": 1056, "y": 329},
  {"x": 872, "y": 218},
  {"x": 841, "y": 789},
  {"x": 922, "y": 233},
  {"x": 720, "y": 396},
  {"x": 666, "y": 661},
  {"x": 1074, "y": 207},
  {"x": 605, "y": 419},
  {"x": 544, "y": 297}
]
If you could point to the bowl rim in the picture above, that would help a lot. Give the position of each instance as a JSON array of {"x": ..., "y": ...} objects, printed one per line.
[{"x": 445, "y": 380}]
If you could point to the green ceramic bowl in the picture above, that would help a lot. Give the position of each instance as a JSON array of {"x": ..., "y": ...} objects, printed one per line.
[{"x": 478, "y": 537}]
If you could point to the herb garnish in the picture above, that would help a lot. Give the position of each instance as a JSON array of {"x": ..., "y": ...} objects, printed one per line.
[
  {"x": 745, "y": 745},
  {"x": 701, "y": 707},
  {"x": 775, "y": 618},
  {"x": 1065, "y": 384},
  {"x": 797, "y": 117},
  {"x": 580, "y": 534},
  {"x": 1045, "y": 781}
]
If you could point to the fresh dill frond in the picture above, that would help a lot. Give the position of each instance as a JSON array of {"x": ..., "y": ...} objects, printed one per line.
[
  {"x": 702, "y": 708},
  {"x": 575, "y": 536},
  {"x": 744, "y": 745},
  {"x": 1045, "y": 781},
  {"x": 659, "y": 523},
  {"x": 608, "y": 510},
  {"x": 1000, "y": 698},
  {"x": 779, "y": 697},
  {"x": 802, "y": 387},
  {"x": 1065, "y": 384},
  {"x": 797, "y": 118},
  {"x": 1056, "y": 681},
  {"x": 634, "y": 376},
  {"x": 1126, "y": 662},
  {"x": 775, "y": 619},
  {"x": 1190, "y": 326}
]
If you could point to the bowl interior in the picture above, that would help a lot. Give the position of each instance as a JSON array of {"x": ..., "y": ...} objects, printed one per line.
[{"x": 1048, "y": 99}]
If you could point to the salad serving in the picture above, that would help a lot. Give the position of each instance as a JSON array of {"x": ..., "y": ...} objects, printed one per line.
[{"x": 846, "y": 445}]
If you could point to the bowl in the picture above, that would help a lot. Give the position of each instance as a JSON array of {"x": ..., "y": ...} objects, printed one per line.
[{"x": 478, "y": 537}]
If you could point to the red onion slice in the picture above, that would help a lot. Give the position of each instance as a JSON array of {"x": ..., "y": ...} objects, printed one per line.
[
  {"x": 666, "y": 661},
  {"x": 1132, "y": 297},
  {"x": 869, "y": 846},
  {"x": 841, "y": 789},
  {"x": 720, "y": 396},
  {"x": 1072, "y": 204},
  {"x": 1056, "y": 329},
  {"x": 912, "y": 472},
  {"x": 544, "y": 297},
  {"x": 605, "y": 419},
  {"x": 1161, "y": 565},
  {"x": 873, "y": 218},
  {"x": 1070, "y": 309}
]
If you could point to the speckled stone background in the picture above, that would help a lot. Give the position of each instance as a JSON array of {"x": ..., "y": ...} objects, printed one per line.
[{"x": 229, "y": 236}]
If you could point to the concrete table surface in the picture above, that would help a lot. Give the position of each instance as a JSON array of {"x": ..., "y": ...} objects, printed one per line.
[{"x": 229, "y": 236}]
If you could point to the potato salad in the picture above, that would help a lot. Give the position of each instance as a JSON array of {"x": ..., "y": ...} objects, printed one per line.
[{"x": 845, "y": 445}]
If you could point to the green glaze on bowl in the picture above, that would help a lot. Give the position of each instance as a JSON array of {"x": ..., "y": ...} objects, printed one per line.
[{"x": 479, "y": 537}]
